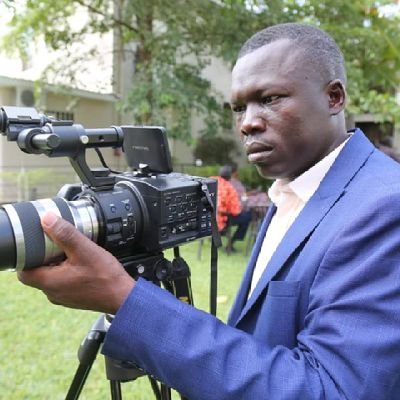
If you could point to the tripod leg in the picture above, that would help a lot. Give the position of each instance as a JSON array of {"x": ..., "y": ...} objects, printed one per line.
[
  {"x": 87, "y": 354},
  {"x": 115, "y": 387},
  {"x": 155, "y": 387},
  {"x": 165, "y": 392}
]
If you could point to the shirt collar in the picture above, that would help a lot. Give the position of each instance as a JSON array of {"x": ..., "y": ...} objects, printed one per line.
[{"x": 305, "y": 185}]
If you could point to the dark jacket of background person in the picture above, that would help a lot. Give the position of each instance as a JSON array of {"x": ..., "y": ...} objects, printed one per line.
[{"x": 385, "y": 145}]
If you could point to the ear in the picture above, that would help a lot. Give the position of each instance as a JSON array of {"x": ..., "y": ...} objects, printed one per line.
[{"x": 337, "y": 96}]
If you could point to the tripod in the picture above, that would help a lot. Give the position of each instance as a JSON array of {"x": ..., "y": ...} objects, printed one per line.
[{"x": 175, "y": 277}]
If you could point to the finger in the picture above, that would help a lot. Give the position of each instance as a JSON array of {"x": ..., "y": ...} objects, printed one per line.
[
  {"x": 66, "y": 235},
  {"x": 78, "y": 248},
  {"x": 36, "y": 277}
]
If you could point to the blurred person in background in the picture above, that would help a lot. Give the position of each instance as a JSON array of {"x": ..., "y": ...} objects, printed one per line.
[
  {"x": 242, "y": 220},
  {"x": 228, "y": 202}
]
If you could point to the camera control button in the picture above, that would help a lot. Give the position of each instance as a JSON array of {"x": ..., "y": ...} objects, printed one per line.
[
  {"x": 164, "y": 232},
  {"x": 114, "y": 227}
]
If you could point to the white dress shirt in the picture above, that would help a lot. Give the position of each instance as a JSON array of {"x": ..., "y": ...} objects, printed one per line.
[{"x": 290, "y": 198}]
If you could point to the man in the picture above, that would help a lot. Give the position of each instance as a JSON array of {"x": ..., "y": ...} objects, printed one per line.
[
  {"x": 242, "y": 220},
  {"x": 238, "y": 185},
  {"x": 228, "y": 202},
  {"x": 229, "y": 208},
  {"x": 318, "y": 314}
]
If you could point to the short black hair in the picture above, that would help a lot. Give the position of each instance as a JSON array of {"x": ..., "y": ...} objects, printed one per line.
[
  {"x": 319, "y": 47},
  {"x": 225, "y": 172}
]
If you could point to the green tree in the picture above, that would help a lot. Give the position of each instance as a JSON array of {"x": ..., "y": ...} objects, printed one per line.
[
  {"x": 175, "y": 40},
  {"x": 370, "y": 41},
  {"x": 208, "y": 149},
  {"x": 368, "y": 37}
]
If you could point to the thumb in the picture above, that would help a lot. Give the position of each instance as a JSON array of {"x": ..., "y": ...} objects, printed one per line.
[{"x": 64, "y": 233}]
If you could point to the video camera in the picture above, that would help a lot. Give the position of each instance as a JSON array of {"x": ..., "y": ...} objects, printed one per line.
[{"x": 134, "y": 215}]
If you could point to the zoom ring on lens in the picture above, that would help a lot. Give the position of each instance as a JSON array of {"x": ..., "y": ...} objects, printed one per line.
[
  {"x": 18, "y": 236},
  {"x": 32, "y": 246}
]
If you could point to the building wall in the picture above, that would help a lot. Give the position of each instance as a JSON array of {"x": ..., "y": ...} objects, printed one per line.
[{"x": 7, "y": 95}]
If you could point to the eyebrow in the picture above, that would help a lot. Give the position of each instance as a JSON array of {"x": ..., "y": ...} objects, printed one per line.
[{"x": 259, "y": 92}]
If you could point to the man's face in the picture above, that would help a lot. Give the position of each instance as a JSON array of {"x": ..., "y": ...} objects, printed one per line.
[{"x": 282, "y": 110}]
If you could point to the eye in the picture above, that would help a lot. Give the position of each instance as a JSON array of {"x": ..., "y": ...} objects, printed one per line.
[
  {"x": 270, "y": 99},
  {"x": 238, "y": 108}
]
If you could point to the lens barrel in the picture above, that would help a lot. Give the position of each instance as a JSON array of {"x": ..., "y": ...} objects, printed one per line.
[
  {"x": 112, "y": 218},
  {"x": 7, "y": 243},
  {"x": 23, "y": 243}
]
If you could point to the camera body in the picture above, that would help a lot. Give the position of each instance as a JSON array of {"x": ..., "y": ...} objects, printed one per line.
[
  {"x": 143, "y": 215},
  {"x": 134, "y": 214}
]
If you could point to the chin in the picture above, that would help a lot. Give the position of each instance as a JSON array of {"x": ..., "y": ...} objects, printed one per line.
[
  {"x": 266, "y": 172},
  {"x": 269, "y": 173}
]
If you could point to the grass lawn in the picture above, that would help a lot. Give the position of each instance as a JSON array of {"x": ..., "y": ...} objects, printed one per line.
[{"x": 39, "y": 341}]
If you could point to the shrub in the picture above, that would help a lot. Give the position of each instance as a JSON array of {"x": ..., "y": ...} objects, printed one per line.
[
  {"x": 215, "y": 150},
  {"x": 250, "y": 178}
]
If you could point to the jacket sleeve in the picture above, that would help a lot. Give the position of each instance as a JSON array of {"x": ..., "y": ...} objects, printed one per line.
[
  {"x": 203, "y": 358},
  {"x": 347, "y": 345}
]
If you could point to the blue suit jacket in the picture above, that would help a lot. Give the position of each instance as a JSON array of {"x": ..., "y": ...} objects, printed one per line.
[{"x": 324, "y": 319}]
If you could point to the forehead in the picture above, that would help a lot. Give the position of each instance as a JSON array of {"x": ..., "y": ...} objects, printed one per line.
[{"x": 279, "y": 62}]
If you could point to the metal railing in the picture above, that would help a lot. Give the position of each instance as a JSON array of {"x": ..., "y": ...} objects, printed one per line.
[
  {"x": 34, "y": 182},
  {"x": 31, "y": 183}
]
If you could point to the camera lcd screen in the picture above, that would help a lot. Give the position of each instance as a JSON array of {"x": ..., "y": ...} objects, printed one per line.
[{"x": 147, "y": 146}]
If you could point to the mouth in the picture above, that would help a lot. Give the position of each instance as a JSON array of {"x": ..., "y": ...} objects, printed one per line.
[{"x": 258, "y": 152}]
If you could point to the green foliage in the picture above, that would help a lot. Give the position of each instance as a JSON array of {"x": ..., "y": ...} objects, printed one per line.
[
  {"x": 370, "y": 42},
  {"x": 248, "y": 175},
  {"x": 175, "y": 40},
  {"x": 251, "y": 179},
  {"x": 215, "y": 150},
  {"x": 39, "y": 176},
  {"x": 205, "y": 170},
  {"x": 173, "y": 46},
  {"x": 176, "y": 92},
  {"x": 237, "y": 20}
]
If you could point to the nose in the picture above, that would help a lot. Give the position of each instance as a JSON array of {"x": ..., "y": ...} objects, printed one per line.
[{"x": 252, "y": 121}]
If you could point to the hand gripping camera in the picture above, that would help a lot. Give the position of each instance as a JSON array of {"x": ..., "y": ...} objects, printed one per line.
[{"x": 134, "y": 215}]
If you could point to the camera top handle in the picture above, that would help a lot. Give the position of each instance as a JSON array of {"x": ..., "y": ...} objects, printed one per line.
[{"x": 38, "y": 134}]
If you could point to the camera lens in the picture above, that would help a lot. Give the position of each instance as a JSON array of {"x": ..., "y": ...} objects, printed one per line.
[
  {"x": 112, "y": 218},
  {"x": 7, "y": 242},
  {"x": 24, "y": 245}
]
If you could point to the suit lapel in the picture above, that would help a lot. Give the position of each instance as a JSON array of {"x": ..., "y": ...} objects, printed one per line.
[
  {"x": 303, "y": 226},
  {"x": 241, "y": 297},
  {"x": 348, "y": 163}
]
